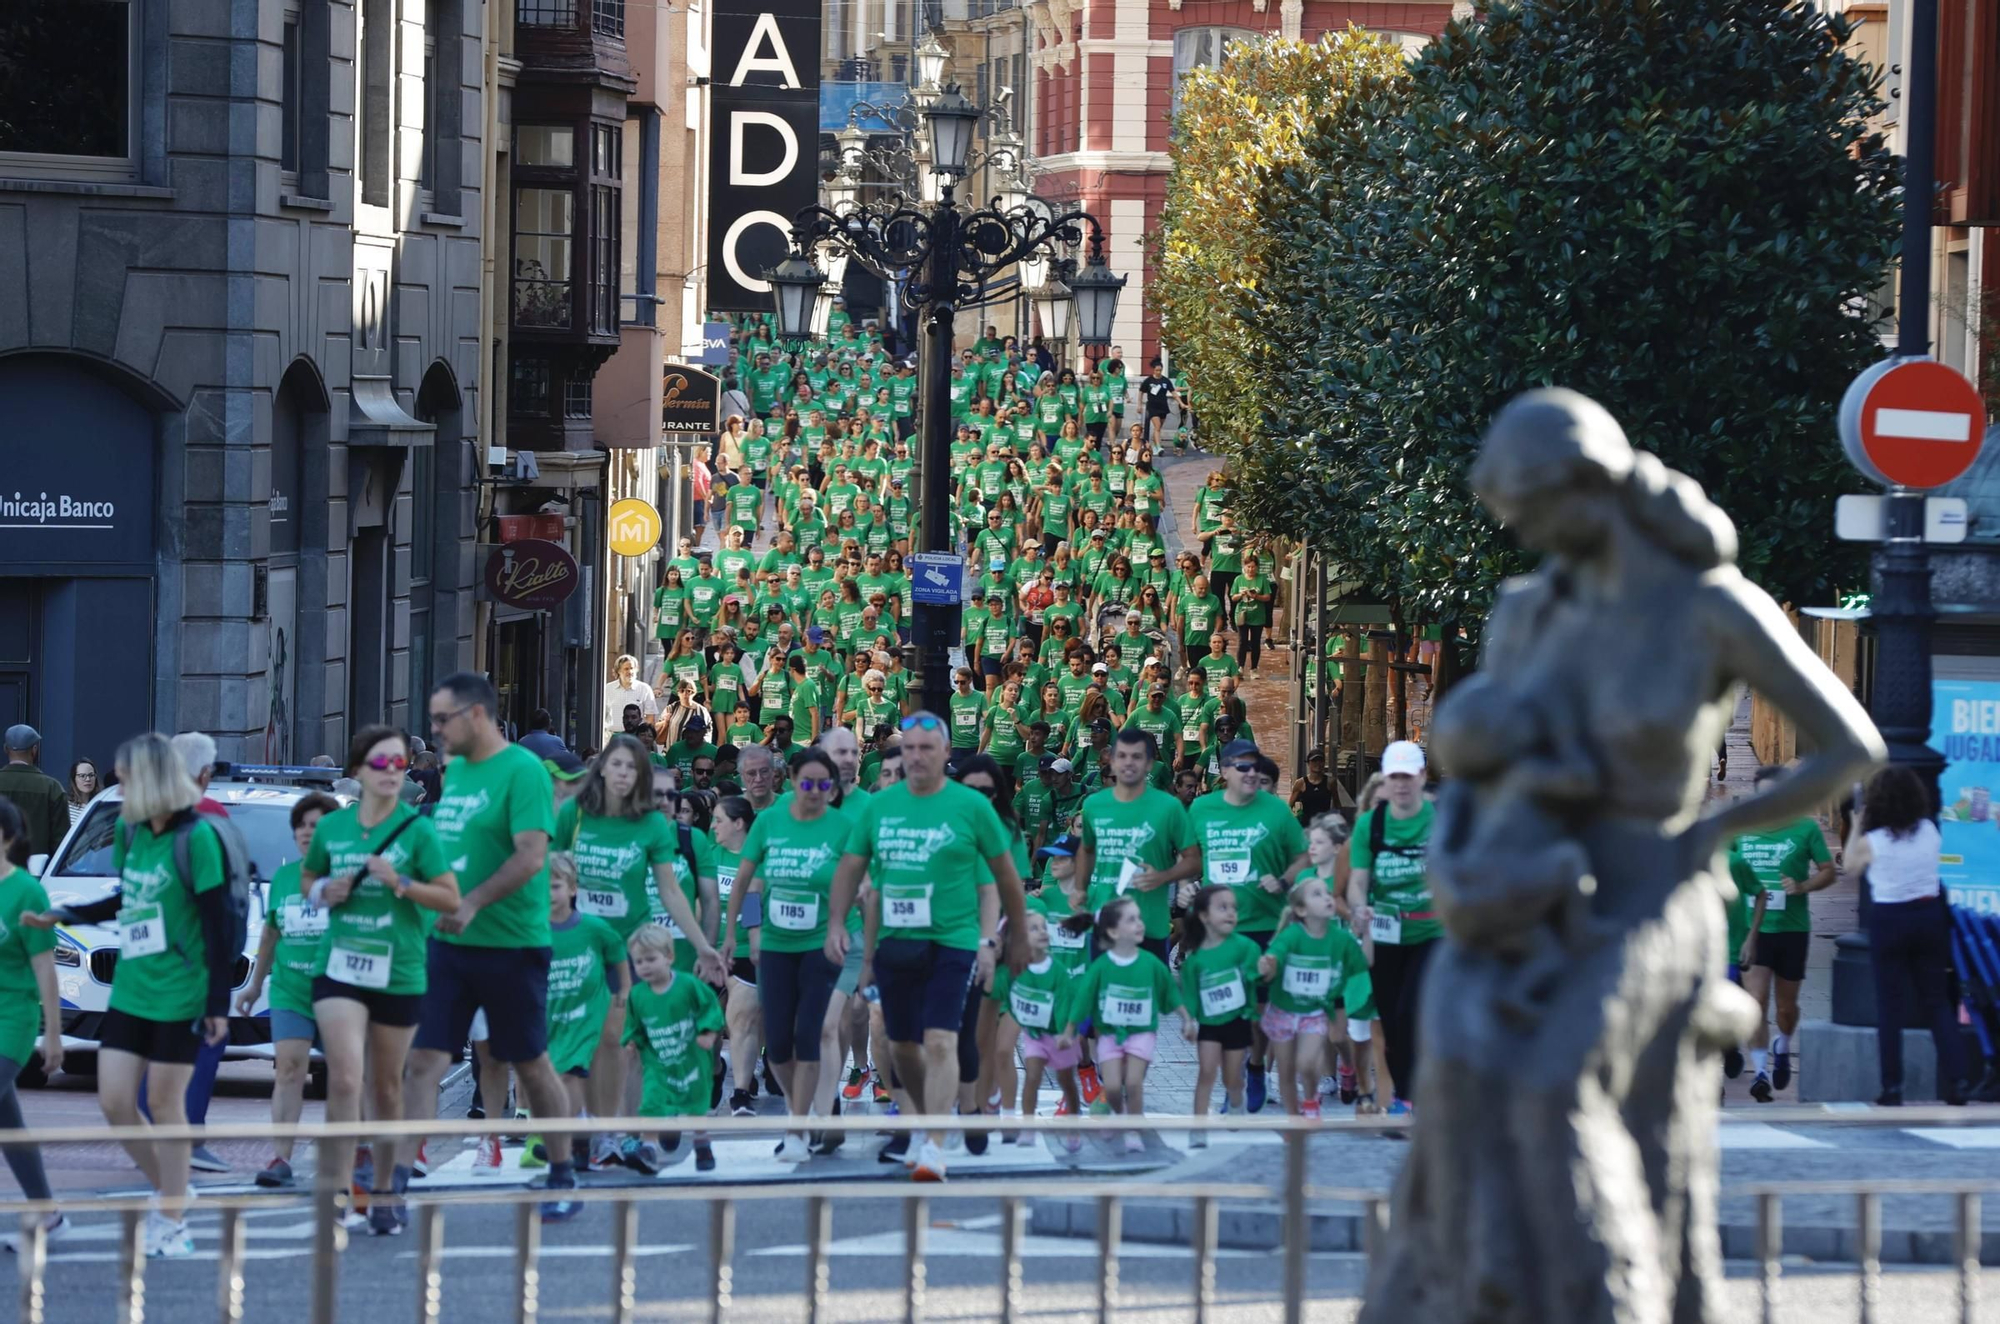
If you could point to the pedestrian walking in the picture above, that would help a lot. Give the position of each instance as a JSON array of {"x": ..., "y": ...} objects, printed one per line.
[{"x": 41, "y": 799}]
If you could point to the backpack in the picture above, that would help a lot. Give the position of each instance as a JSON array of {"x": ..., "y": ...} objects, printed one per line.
[
  {"x": 1378, "y": 819},
  {"x": 238, "y": 872}
]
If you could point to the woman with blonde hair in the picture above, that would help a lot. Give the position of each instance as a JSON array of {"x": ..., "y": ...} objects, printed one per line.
[{"x": 177, "y": 953}]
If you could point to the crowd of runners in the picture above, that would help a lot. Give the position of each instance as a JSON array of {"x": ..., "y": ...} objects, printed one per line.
[{"x": 778, "y": 873}]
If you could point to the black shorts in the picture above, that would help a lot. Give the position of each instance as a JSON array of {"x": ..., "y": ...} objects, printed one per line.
[
  {"x": 510, "y": 984},
  {"x": 1262, "y": 937},
  {"x": 923, "y": 986},
  {"x": 744, "y": 969},
  {"x": 398, "y": 1010},
  {"x": 1234, "y": 1036},
  {"x": 1782, "y": 953},
  {"x": 990, "y": 666},
  {"x": 174, "y": 1042},
  {"x": 1157, "y": 946}
]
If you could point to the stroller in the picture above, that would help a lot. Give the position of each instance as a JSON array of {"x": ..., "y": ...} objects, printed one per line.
[{"x": 1166, "y": 646}]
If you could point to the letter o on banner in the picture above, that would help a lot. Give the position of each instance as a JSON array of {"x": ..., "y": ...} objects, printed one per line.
[{"x": 734, "y": 235}]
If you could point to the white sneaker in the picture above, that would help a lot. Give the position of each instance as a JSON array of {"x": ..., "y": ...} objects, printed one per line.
[
  {"x": 60, "y": 1230},
  {"x": 1197, "y": 1140},
  {"x": 793, "y": 1149},
  {"x": 930, "y": 1163},
  {"x": 167, "y": 1238}
]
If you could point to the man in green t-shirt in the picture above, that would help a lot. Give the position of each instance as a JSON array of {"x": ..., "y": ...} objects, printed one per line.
[
  {"x": 1390, "y": 892},
  {"x": 1789, "y": 864},
  {"x": 1136, "y": 840},
  {"x": 922, "y": 842}
]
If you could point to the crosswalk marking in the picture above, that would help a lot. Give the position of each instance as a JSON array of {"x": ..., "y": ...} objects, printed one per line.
[
  {"x": 1734, "y": 1134},
  {"x": 1958, "y": 1137}
]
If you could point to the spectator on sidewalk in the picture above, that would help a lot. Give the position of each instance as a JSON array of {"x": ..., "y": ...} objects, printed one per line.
[{"x": 43, "y": 803}]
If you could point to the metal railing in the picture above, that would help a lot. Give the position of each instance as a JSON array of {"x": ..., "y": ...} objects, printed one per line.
[{"x": 328, "y": 1200}]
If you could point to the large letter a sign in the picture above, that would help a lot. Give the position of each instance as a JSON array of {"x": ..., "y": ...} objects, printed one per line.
[{"x": 763, "y": 144}]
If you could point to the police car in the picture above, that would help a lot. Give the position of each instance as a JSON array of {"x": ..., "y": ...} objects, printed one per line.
[{"x": 259, "y": 798}]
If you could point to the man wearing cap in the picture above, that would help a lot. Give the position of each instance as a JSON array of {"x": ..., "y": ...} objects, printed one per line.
[
  {"x": 1389, "y": 891},
  {"x": 1137, "y": 840},
  {"x": 38, "y": 796},
  {"x": 1158, "y": 720}
]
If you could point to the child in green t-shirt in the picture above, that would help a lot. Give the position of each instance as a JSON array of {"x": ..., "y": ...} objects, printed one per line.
[
  {"x": 1032, "y": 1006},
  {"x": 1313, "y": 964},
  {"x": 674, "y": 1021},
  {"x": 1122, "y": 994},
  {"x": 586, "y": 976},
  {"x": 1219, "y": 984}
]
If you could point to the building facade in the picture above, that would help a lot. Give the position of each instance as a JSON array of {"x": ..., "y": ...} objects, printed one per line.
[{"x": 240, "y": 366}]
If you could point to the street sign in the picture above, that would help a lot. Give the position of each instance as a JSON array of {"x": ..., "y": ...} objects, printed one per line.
[
  {"x": 531, "y": 574},
  {"x": 1866, "y": 519},
  {"x": 1912, "y": 423},
  {"x": 937, "y": 579},
  {"x": 634, "y": 527}
]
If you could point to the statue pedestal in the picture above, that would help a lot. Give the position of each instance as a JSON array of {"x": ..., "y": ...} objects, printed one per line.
[{"x": 1838, "y": 1064}]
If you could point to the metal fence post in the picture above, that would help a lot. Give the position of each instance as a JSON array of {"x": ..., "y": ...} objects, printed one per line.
[
  {"x": 1967, "y": 1236},
  {"x": 34, "y": 1259},
  {"x": 430, "y": 1264},
  {"x": 1010, "y": 1260},
  {"x": 624, "y": 1267},
  {"x": 1204, "y": 1260},
  {"x": 722, "y": 1248},
  {"x": 1770, "y": 1246},
  {"x": 916, "y": 1243},
  {"x": 1110, "y": 1231},
  {"x": 1295, "y": 1226},
  {"x": 1868, "y": 1250},
  {"x": 329, "y": 1237},
  {"x": 131, "y": 1267},
  {"x": 229, "y": 1268},
  {"x": 527, "y": 1261},
  {"x": 819, "y": 1230}
]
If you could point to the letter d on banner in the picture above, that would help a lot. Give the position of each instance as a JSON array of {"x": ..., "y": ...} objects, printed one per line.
[{"x": 763, "y": 144}]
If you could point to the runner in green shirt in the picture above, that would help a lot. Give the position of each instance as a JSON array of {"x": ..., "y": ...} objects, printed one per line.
[
  {"x": 1136, "y": 839},
  {"x": 1033, "y": 1007},
  {"x": 1123, "y": 993},
  {"x": 1789, "y": 864},
  {"x": 1218, "y": 983},
  {"x": 586, "y": 980},
  {"x": 673, "y": 1021},
  {"x": 1389, "y": 896},
  {"x": 29, "y": 1002},
  {"x": 1250, "y": 843},
  {"x": 1314, "y": 964}
]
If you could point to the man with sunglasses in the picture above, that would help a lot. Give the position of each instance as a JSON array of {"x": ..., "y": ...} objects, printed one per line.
[
  {"x": 494, "y": 816},
  {"x": 1136, "y": 840},
  {"x": 920, "y": 843}
]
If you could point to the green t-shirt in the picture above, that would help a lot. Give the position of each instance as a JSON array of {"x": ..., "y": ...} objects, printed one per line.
[
  {"x": 299, "y": 926},
  {"x": 1787, "y": 853},
  {"x": 1219, "y": 983},
  {"x": 1124, "y": 998},
  {"x": 1247, "y": 611},
  {"x": 483, "y": 805},
  {"x": 1148, "y": 833},
  {"x": 162, "y": 972},
  {"x": 1037, "y": 999},
  {"x": 795, "y": 863},
  {"x": 1318, "y": 974},
  {"x": 20, "y": 995},
  {"x": 1200, "y": 615},
  {"x": 1070, "y": 950},
  {"x": 582, "y": 951},
  {"x": 924, "y": 853},
  {"x": 702, "y": 847},
  {"x": 375, "y": 939},
  {"x": 1240, "y": 844},
  {"x": 666, "y": 1027},
  {"x": 1399, "y": 891},
  {"x": 968, "y": 711},
  {"x": 615, "y": 858},
  {"x": 1739, "y": 909}
]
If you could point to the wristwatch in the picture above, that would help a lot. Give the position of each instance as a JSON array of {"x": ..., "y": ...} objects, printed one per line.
[{"x": 993, "y": 943}]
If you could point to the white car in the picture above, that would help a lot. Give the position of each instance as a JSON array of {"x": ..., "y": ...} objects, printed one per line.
[{"x": 259, "y": 799}]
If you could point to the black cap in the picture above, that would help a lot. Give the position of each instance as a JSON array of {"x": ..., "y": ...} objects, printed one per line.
[
  {"x": 1101, "y": 724},
  {"x": 1240, "y": 749}
]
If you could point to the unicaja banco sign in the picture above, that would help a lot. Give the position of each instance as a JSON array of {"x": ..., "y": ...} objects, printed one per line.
[
  {"x": 689, "y": 399},
  {"x": 61, "y": 511}
]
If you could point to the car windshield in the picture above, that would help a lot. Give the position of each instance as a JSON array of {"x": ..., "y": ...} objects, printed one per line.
[{"x": 266, "y": 829}]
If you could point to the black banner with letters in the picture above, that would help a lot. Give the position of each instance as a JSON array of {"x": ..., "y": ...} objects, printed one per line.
[{"x": 763, "y": 160}]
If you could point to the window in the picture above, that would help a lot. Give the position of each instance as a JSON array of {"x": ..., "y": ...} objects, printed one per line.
[
  {"x": 292, "y": 121},
  {"x": 376, "y": 131},
  {"x": 427, "y": 166},
  {"x": 544, "y": 223},
  {"x": 69, "y": 77},
  {"x": 423, "y": 511},
  {"x": 531, "y": 387},
  {"x": 607, "y": 18},
  {"x": 545, "y": 145},
  {"x": 1202, "y": 48},
  {"x": 607, "y": 168},
  {"x": 576, "y": 396},
  {"x": 546, "y": 13}
]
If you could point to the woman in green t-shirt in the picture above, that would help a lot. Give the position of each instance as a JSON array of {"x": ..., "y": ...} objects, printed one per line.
[
  {"x": 730, "y": 827},
  {"x": 670, "y": 604},
  {"x": 293, "y": 926},
  {"x": 378, "y": 869},
  {"x": 789, "y": 859},
  {"x": 28, "y": 1001},
  {"x": 170, "y": 992},
  {"x": 1251, "y": 597}
]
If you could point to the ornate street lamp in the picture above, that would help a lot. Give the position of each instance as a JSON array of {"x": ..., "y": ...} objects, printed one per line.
[
  {"x": 1097, "y": 291},
  {"x": 931, "y": 58},
  {"x": 1053, "y": 302},
  {"x": 795, "y": 286},
  {"x": 950, "y": 121}
]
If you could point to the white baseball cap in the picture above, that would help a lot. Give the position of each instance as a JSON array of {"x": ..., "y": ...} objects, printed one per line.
[{"x": 1403, "y": 758}]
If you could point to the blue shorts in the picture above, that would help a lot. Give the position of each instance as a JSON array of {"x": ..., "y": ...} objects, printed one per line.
[
  {"x": 923, "y": 986},
  {"x": 510, "y": 984},
  {"x": 287, "y": 1024}
]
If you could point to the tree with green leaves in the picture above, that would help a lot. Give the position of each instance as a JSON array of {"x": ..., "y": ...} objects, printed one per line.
[
  {"x": 1237, "y": 120},
  {"x": 1675, "y": 206}
]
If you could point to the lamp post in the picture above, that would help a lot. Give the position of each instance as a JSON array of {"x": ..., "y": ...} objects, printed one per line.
[{"x": 951, "y": 254}]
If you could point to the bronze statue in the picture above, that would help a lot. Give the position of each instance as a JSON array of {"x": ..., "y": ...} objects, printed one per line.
[{"x": 1563, "y": 1166}]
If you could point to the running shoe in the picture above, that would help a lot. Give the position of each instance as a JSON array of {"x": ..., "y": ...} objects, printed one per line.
[
  {"x": 1349, "y": 1083},
  {"x": 203, "y": 1159},
  {"x": 562, "y": 1208},
  {"x": 856, "y": 1078},
  {"x": 167, "y": 1238},
  {"x": 642, "y": 1156},
  {"x": 486, "y": 1159},
  {"x": 1253, "y": 1089},
  {"x": 277, "y": 1176},
  {"x": 1310, "y": 1108},
  {"x": 771, "y": 1084},
  {"x": 60, "y": 1230},
  {"x": 1401, "y": 1108},
  {"x": 930, "y": 1163},
  {"x": 882, "y": 1096},
  {"x": 1197, "y": 1140},
  {"x": 1781, "y": 1067},
  {"x": 1062, "y": 1108},
  {"x": 1086, "y": 1076},
  {"x": 1889, "y": 1099},
  {"x": 975, "y": 1142},
  {"x": 793, "y": 1148},
  {"x": 1134, "y": 1143},
  {"x": 605, "y": 1154},
  {"x": 364, "y": 1164},
  {"x": 1760, "y": 1088},
  {"x": 1100, "y": 1107},
  {"x": 421, "y": 1168},
  {"x": 383, "y": 1221},
  {"x": 1732, "y": 1062},
  {"x": 357, "y": 1196},
  {"x": 1009, "y": 1137},
  {"x": 896, "y": 1151},
  {"x": 534, "y": 1154},
  {"x": 741, "y": 1104},
  {"x": 704, "y": 1159}
]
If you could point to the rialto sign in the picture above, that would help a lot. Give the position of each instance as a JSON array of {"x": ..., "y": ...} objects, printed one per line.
[{"x": 764, "y": 147}]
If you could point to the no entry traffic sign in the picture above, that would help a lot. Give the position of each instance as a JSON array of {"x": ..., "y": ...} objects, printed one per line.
[{"x": 1912, "y": 423}]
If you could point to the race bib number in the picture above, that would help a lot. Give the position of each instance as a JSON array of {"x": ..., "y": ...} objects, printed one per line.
[
  {"x": 1386, "y": 928},
  {"x": 1033, "y": 1008},
  {"x": 1774, "y": 899},
  {"x": 1309, "y": 983},
  {"x": 1222, "y": 993},
  {"x": 362, "y": 962},
  {"x": 1229, "y": 867},
  {"x": 142, "y": 931},
  {"x": 1127, "y": 1006},
  {"x": 605, "y": 903},
  {"x": 907, "y": 907},
  {"x": 795, "y": 912},
  {"x": 299, "y": 919},
  {"x": 1063, "y": 938}
]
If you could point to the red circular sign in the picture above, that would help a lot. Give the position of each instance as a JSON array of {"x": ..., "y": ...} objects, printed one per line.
[
  {"x": 1921, "y": 423},
  {"x": 531, "y": 574}
]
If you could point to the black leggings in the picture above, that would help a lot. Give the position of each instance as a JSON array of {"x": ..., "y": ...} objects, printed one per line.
[
  {"x": 1399, "y": 986},
  {"x": 794, "y": 988},
  {"x": 24, "y": 1160},
  {"x": 968, "y": 1035},
  {"x": 1249, "y": 646},
  {"x": 1909, "y": 944}
]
